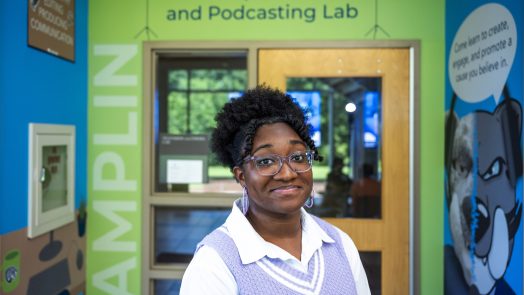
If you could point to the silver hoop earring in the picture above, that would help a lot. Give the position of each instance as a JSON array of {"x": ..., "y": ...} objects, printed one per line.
[
  {"x": 310, "y": 201},
  {"x": 245, "y": 201}
]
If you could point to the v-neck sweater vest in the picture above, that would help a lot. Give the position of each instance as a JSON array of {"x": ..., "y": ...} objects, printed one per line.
[{"x": 328, "y": 272}]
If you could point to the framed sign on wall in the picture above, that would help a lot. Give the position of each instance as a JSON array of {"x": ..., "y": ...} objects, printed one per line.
[
  {"x": 51, "y": 27},
  {"x": 51, "y": 177}
]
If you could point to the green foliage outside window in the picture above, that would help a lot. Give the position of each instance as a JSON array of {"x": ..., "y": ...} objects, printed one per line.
[{"x": 194, "y": 98}]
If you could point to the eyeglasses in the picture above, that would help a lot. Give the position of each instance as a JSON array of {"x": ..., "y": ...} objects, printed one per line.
[{"x": 269, "y": 165}]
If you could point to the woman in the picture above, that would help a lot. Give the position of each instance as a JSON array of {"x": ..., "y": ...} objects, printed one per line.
[{"x": 269, "y": 244}]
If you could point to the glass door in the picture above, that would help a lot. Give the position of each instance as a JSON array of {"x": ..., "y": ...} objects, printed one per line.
[{"x": 358, "y": 104}]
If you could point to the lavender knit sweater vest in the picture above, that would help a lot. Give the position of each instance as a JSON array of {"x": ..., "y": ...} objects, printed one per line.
[{"x": 328, "y": 270}]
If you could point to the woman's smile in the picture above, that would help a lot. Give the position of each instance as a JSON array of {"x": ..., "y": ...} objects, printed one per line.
[{"x": 287, "y": 189}]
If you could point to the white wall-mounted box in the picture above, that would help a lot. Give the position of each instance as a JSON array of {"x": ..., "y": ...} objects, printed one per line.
[{"x": 51, "y": 202}]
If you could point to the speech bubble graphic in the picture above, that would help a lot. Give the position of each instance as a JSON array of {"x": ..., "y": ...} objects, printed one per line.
[{"x": 482, "y": 53}]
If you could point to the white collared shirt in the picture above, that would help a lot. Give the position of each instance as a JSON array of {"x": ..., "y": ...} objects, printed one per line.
[{"x": 208, "y": 274}]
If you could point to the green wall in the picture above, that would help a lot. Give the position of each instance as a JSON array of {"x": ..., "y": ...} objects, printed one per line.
[{"x": 115, "y": 107}]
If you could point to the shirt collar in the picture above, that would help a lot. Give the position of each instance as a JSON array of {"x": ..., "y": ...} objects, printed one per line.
[
  {"x": 252, "y": 247},
  {"x": 312, "y": 229}
]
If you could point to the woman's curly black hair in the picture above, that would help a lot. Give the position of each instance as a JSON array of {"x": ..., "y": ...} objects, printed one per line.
[{"x": 239, "y": 119}]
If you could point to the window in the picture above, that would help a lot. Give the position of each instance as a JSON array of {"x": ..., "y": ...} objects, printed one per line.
[
  {"x": 187, "y": 192},
  {"x": 347, "y": 125},
  {"x": 190, "y": 90},
  {"x": 178, "y": 230}
]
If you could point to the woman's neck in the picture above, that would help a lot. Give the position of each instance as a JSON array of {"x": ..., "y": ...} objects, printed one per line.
[{"x": 283, "y": 231}]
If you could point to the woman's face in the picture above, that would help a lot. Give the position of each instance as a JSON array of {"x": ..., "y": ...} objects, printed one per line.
[{"x": 285, "y": 192}]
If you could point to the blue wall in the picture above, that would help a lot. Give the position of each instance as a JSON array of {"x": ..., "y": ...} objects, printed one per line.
[
  {"x": 457, "y": 13},
  {"x": 41, "y": 88}
]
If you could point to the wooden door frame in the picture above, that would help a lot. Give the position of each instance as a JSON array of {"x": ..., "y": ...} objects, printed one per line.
[{"x": 151, "y": 50}]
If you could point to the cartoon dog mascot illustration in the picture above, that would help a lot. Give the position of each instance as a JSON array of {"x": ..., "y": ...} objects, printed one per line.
[{"x": 483, "y": 164}]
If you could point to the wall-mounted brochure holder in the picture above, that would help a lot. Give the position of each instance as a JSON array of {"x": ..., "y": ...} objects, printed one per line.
[{"x": 51, "y": 177}]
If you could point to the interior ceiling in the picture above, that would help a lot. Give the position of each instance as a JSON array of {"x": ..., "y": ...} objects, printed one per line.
[{"x": 352, "y": 88}]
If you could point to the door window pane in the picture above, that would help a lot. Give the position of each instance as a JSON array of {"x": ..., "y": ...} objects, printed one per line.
[
  {"x": 346, "y": 125},
  {"x": 167, "y": 287},
  {"x": 190, "y": 91},
  {"x": 178, "y": 231},
  {"x": 372, "y": 262}
]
